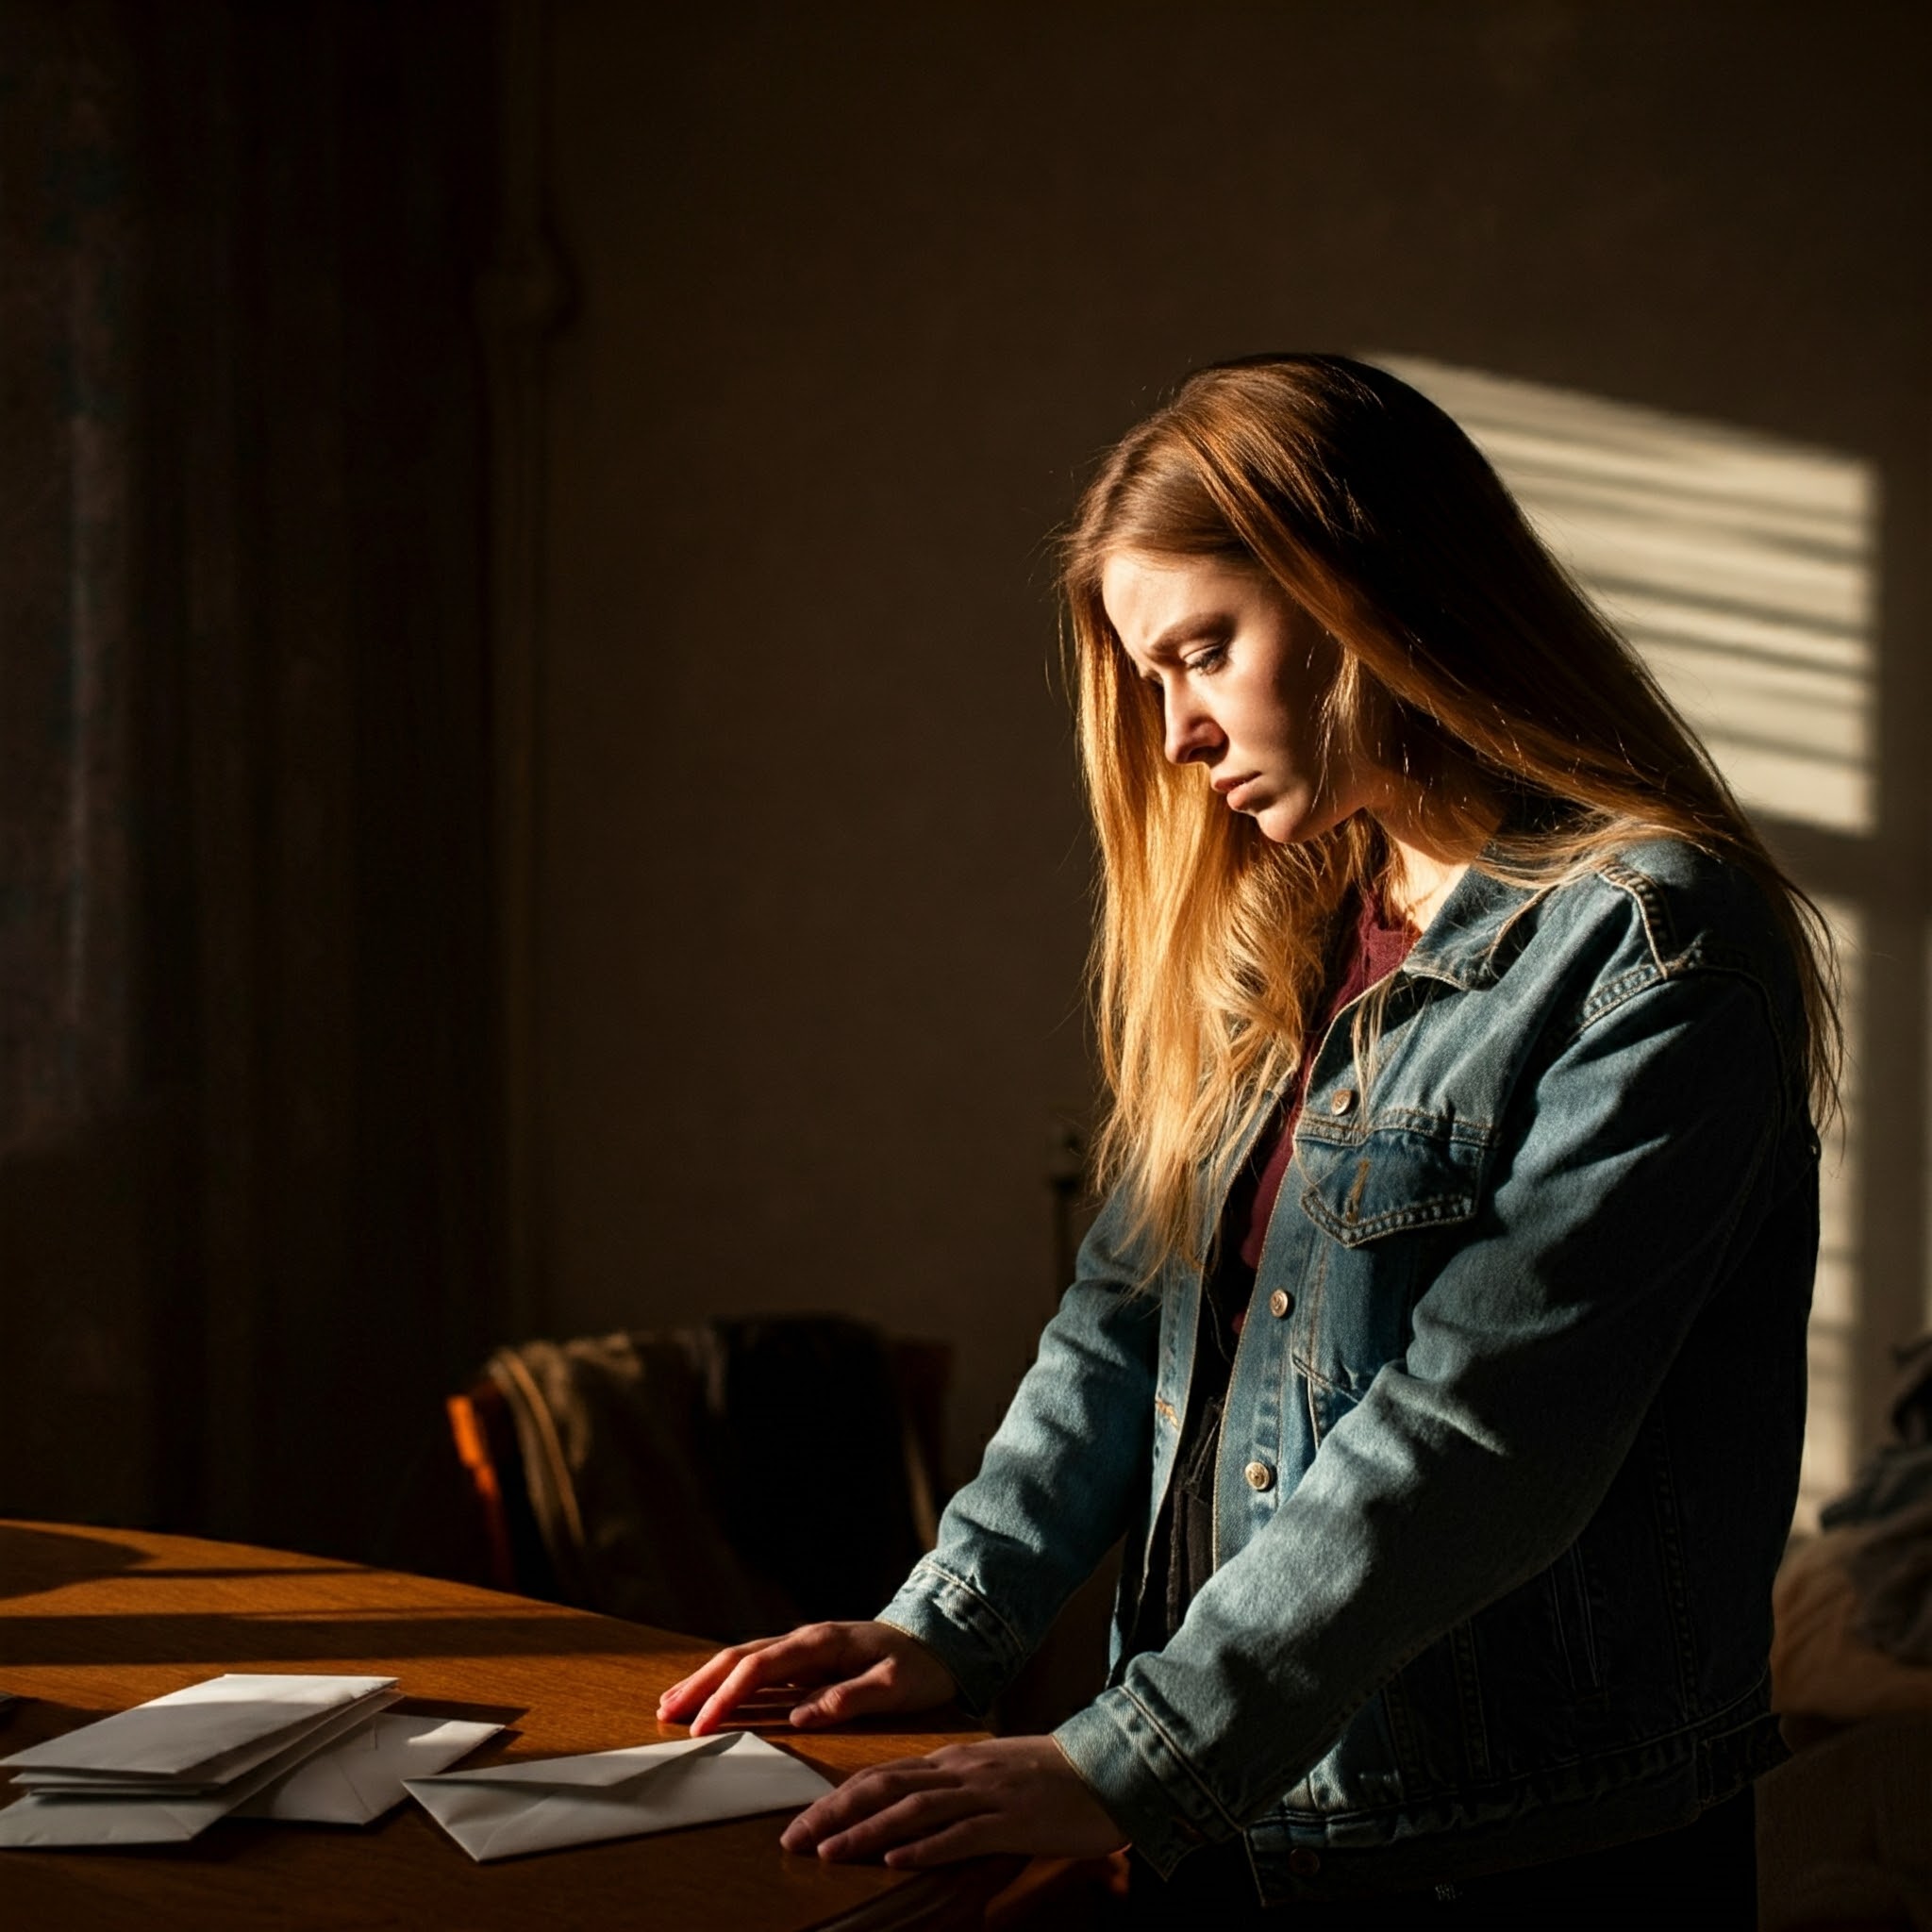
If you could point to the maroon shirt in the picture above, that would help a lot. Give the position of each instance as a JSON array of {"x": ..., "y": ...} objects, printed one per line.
[
  {"x": 1182, "y": 1552},
  {"x": 1375, "y": 948}
]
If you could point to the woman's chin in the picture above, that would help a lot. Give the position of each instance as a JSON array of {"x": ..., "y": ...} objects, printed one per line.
[{"x": 1291, "y": 821}]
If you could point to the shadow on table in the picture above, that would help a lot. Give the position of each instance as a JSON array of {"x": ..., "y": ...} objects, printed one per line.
[
  {"x": 32, "y": 1560},
  {"x": 460, "y": 1710},
  {"x": 237, "y": 1640}
]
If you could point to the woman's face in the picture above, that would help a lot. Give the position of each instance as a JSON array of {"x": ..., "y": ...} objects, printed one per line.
[{"x": 1241, "y": 671}]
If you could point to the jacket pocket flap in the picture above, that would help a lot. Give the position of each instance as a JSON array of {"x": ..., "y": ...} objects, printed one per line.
[{"x": 1392, "y": 1179}]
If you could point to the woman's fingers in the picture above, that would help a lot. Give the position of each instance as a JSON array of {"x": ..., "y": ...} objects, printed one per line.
[
  {"x": 744, "y": 1677},
  {"x": 808, "y": 1656},
  {"x": 850, "y": 1669},
  {"x": 860, "y": 1798},
  {"x": 689, "y": 1692},
  {"x": 972, "y": 1836},
  {"x": 912, "y": 1820},
  {"x": 1007, "y": 1795},
  {"x": 873, "y": 1689}
]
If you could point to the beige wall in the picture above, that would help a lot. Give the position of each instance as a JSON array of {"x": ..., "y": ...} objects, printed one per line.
[{"x": 860, "y": 292}]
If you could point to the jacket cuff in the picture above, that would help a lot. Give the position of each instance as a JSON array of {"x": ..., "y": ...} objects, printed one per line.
[
  {"x": 960, "y": 1628},
  {"x": 1142, "y": 1780}
]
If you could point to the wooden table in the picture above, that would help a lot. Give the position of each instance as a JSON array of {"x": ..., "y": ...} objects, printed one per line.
[{"x": 93, "y": 1620}]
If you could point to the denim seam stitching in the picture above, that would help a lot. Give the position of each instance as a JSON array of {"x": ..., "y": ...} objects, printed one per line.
[
  {"x": 1436, "y": 1210},
  {"x": 1180, "y": 1757},
  {"x": 1620, "y": 991},
  {"x": 1459, "y": 1130},
  {"x": 1651, "y": 908},
  {"x": 939, "y": 1570}
]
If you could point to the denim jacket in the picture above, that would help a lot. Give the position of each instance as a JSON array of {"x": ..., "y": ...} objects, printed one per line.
[{"x": 1512, "y": 1433}]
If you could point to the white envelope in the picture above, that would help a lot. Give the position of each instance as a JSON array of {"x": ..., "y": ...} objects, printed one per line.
[
  {"x": 551, "y": 1802},
  {"x": 361, "y": 1776},
  {"x": 203, "y": 1737},
  {"x": 78, "y": 1817}
]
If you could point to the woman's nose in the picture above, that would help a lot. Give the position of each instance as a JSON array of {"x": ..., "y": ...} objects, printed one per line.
[{"x": 1190, "y": 732}]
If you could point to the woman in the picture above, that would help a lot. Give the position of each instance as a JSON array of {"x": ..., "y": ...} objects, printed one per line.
[{"x": 1440, "y": 1348}]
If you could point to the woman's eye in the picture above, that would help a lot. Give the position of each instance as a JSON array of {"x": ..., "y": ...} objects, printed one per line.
[{"x": 1211, "y": 658}]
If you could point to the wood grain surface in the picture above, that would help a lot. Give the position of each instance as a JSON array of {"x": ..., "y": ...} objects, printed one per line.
[{"x": 93, "y": 1620}]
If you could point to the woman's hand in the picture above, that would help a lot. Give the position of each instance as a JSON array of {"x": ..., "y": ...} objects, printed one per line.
[
  {"x": 854, "y": 1668},
  {"x": 1008, "y": 1795}
]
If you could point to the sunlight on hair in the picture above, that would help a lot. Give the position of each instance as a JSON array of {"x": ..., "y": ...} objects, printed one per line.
[
  {"x": 1740, "y": 567},
  {"x": 1831, "y": 1434},
  {"x": 1743, "y": 569}
]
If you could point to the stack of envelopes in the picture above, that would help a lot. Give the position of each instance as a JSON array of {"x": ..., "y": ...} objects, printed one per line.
[
  {"x": 249, "y": 1743},
  {"x": 326, "y": 1750}
]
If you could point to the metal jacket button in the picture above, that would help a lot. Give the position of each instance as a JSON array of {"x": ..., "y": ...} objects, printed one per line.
[
  {"x": 1259, "y": 1476},
  {"x": 1342, "y": 1099},
  {"x": 1303, "y": 1862},
  {"x": 1281, "y": 1303}
]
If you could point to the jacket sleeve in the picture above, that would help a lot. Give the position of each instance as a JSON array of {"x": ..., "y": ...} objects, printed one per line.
[
  {"x": 1056, "y": 1488},
  {"x": 1478, "y": 1456}
]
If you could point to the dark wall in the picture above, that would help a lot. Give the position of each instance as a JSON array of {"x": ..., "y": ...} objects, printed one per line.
[
  {"x": 240, "y": 1262},
  {"x": 862, "y": 291}
]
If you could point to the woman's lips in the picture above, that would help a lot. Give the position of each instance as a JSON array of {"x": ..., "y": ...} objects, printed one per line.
[{"x": 1233, "y": 789}]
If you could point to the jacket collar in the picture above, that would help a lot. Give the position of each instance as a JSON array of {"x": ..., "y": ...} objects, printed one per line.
[{"x": 1459, "y": 945}]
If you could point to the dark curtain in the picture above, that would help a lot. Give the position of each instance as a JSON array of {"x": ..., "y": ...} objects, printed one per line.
[{"x": 248, "y": 1106}]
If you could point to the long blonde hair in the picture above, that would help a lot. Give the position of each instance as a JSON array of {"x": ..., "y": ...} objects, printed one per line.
[{"x": 1465, "y": 649}]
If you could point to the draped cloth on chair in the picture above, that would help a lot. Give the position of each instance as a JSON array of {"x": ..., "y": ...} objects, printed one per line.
[{"x": 731, "y": 1478}]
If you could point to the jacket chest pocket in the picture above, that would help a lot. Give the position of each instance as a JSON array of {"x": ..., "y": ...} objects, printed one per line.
[{"x": 1386, "y": 1208}]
